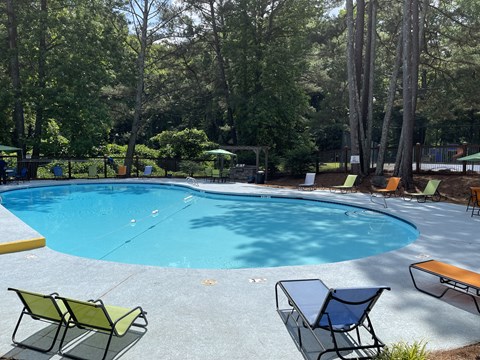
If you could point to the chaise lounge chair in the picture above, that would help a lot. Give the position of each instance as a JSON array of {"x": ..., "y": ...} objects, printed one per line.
[
  {"x": 101, "y": 318},
  {"x": 430, "y": 192},
  {"x": 474, "y": 200},
  {"x": 453, "y": 277},
  {"x": 390, "y": 190},
  {"x": 23, "y": 176},
  {"x": 122, "y": 171},
  {"x": 309, "y": 183},
  {"x": 57, "y": 172},
  {"x": 349, "y": 184},
  {"x": 44, "y": 308},
  {"x": 148, "y": 170},
  {"x": 92, "y": 172},
  {"x": 311, "y": 306}
]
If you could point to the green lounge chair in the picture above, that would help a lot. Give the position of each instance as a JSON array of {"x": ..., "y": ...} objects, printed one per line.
[
  {"x": 96, "y": 316},
  {"x": 44, "y": 308},
  {"x": 92, "y": 172},
  {"x": 430, "y": 191},
  {"x": 349, "y": 184}
]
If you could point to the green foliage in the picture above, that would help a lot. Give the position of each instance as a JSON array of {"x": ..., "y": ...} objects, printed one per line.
[
  {"x": 404, "y": 351},
  {"x": 285, "y": 74},
  {"x": 53, "y": 143},
  {"x": 191, "y": 167},
  {"x": 114, "y": 150},
  {"x": 300, "y": 159},
  {"x": 185, "y": 144}
]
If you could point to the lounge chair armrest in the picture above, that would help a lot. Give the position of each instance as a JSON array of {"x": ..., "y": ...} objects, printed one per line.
[{"x": 98, "y": 301}]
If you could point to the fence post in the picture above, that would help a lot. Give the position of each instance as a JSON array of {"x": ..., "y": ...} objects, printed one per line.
[
  {"x": 464, "y": 163},
  {"x": 418, "y": 157},
  {"x": 69, "y": 169},
  {"x": 105, "y": 166},
  {"x": 136, "y": 164},
  {"x": 346, "y": 159}
]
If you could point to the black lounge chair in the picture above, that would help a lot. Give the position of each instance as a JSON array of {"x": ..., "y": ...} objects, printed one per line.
[{"x": 312, "y": 306}]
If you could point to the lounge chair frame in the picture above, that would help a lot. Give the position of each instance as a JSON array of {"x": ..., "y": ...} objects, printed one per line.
[
  {"x": 54, "y": 315},
  {"x": 309, "y": 183},
  {"x": 148, "y": 170},
  {"x": 122, "y": 171},
  {"x": 58, "y": 172},
  {"x": 111, "y": 329},
  {"x": 430, "y": 192},
  {"x": 93, "y": 172},
  {"x": 474, "y": 200},
  {"x": 390, "y": 190},
  {"x": 368, "y": 350},
  {"x": 348, "y": 185},
  {"x": 454, "y": 278}
]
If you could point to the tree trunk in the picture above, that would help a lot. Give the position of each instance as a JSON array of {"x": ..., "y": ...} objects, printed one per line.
[
  {"x": 39, "y": 106},
  {"x": 388, "y": 108},
  {"x": 139, "y": 87},
  {"x": 352, "y": 88},
  {"x": 358, "y": 46},
  {"x": 367, "y": 113},
  {"x": 409, "y": 62},
  {"x": 18, "y": 116},
  {"x": 223, "y": 77}
]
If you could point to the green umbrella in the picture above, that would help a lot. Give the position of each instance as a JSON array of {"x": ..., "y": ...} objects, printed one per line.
[
  {"x": 219, "y": 152},
  {"x": 6, "y": 148},
  {"x": 473, "y": 157}
]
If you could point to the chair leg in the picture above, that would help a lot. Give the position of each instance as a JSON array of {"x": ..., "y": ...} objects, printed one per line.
[{"x": 22, "y": 344}]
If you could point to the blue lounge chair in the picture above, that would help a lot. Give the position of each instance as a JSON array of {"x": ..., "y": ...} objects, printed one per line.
[
  {"x": 309, "y": 182},
  {"x": 44, "y": 308},
  {"x": 57, "y": 172},
  {"x": 148, "y": 170},
  {"x": 310, "y": 305}
]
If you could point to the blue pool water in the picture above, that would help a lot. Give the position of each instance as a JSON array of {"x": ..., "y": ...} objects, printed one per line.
[{"x": 174, "y": 226}]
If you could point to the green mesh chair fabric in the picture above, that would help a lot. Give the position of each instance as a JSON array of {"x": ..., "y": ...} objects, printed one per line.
[
  {"x": 430, "y": 192},
  {"x": 349, "y": 184},
  {"x": 41, "y": 307},
  {"x": 96, "y": 316}
]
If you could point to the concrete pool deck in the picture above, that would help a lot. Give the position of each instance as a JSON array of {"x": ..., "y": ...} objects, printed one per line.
[{"x": 236, "y": 317}]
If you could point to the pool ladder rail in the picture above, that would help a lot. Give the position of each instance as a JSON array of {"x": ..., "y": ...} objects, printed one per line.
[{"x": 192, "y": 180}]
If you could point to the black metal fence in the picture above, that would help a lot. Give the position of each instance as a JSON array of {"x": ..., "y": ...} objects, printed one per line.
[{"x": 425, "y": 159}]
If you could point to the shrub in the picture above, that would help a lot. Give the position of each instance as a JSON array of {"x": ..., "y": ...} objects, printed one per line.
[{"x": 404, "y": 351}]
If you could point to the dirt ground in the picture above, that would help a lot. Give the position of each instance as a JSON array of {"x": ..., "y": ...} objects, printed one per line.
[{"x": 453, "y": 188}]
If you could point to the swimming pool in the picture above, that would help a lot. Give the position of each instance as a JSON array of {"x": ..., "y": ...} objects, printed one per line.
[{"x": 175, "y": 226}]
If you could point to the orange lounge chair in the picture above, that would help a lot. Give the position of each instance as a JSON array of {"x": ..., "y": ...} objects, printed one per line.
[
  {"x": 453, "y": 277},
  {"x": 122, "y": 171},
  {"x": 389, "y": 190}
]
